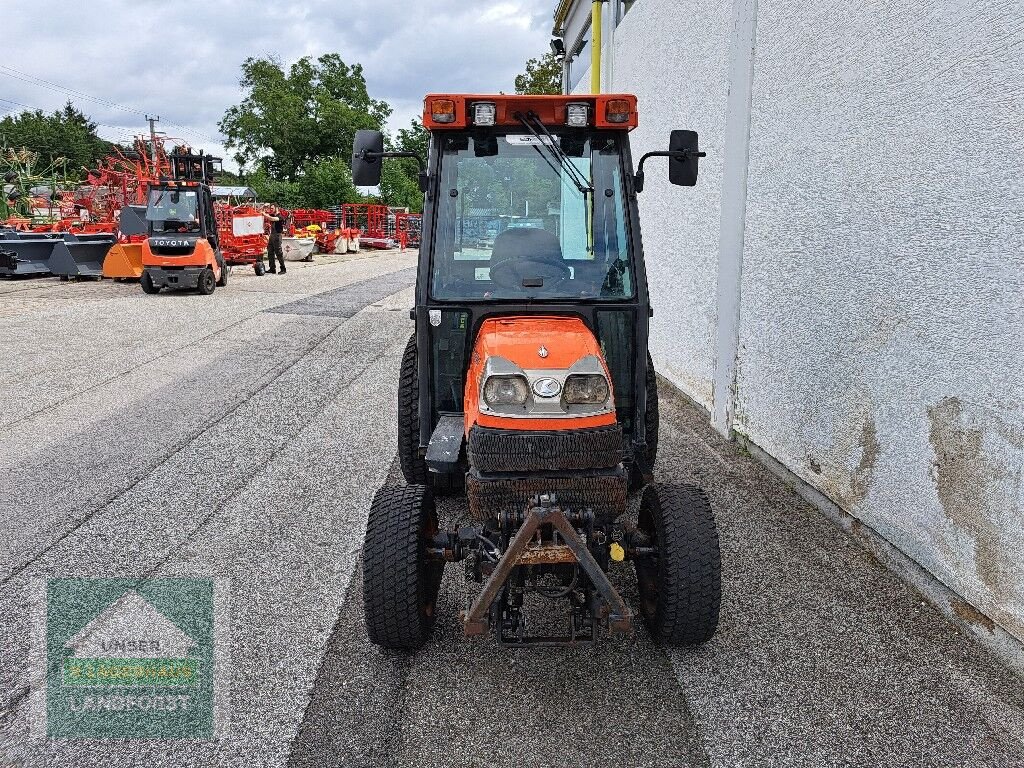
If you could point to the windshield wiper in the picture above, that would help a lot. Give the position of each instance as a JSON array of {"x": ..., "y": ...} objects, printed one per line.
[{"x": 533, "y": 124}]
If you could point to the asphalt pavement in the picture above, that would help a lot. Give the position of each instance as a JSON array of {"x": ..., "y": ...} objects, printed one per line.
[{"x": 243, "y": 435}]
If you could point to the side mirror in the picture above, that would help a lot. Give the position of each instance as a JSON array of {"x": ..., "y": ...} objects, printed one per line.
[
  {"x": 682, "y": 160},
  {"x": 366, "y": 158},
  {"x": 682, "y": 168}
]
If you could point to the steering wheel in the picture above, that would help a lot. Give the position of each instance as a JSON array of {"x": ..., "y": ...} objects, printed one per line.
[{"x": 511, "y": 272}]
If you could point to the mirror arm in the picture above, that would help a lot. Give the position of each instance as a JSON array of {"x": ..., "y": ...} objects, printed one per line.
[
  {"x": 684, "y": 154},
  {"x": 424, "y": 180}
]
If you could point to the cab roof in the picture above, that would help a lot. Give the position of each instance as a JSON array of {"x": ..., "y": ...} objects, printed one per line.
[{"x": 454, "y": 111}]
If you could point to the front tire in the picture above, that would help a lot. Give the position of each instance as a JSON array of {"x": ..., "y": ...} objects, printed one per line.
[
  {"x": 207, "y": 282},
  {"x": 400, "y": 584},
  {"x": 259, "y": 268},
  {"x": 681, "y": 587},
  {"x": 223, "y": 281},
  {"x": 146, "y": 281}
]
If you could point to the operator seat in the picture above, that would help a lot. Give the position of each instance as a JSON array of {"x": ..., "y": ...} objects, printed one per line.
[{"x": 525, "y": 243}]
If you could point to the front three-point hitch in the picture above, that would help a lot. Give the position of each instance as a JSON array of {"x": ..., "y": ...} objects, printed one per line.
[{"x": 555, "y": 553}]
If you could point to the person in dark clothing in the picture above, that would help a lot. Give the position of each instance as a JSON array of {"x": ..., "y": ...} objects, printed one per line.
[{"x": 276, "y": 219}]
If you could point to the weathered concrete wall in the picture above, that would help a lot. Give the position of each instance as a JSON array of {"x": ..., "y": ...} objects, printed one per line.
[
  {"x": 881, "y": 298},
  {"x": 680, "y": 82},
  {"x": 882, "y": 306}
]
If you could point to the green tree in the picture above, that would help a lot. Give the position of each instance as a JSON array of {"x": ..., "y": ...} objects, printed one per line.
[
  {"x": 65, "y": 133},
  {"x": 543, "y": 76},
  {"x": 290, "y": 121},
  {"x": 327, "y": 183}
]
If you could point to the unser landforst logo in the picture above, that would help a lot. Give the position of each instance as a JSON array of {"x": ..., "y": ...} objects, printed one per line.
[
  {"x": 128, "y": 669},
  {"x": 130, "y": 644}
]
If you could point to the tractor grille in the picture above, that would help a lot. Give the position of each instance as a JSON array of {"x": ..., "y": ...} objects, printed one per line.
[
  {"x": 508, "y": 450},
  {"x": 604, "y": 493}
]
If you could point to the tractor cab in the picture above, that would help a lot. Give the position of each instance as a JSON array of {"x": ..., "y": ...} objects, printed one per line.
[
  {"x": 182, "y": 248},
  {"x": 527, "y": 381}
]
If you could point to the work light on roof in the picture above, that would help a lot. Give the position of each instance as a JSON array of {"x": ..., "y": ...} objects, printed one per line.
[
  {"x": 577, "y": 115},
  {"x": 483, "y": 113}
]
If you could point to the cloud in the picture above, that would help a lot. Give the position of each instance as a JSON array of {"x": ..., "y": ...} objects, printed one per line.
[{"x": 182, "y": 60}]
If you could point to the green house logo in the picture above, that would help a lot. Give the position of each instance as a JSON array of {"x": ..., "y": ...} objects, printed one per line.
[
  {"x": 132, "y": 658},
  {"x": 131, "y": 644}
]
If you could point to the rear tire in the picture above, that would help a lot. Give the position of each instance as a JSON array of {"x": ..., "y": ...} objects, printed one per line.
[
  {"x": 207, "y": 282},
  {"x": 414, "y": 468},
  {"x": 400, "y": 584},
  {"x": 681, "y": 587},
  {"x": 636, "y": 478},
  {"x": 223, "y": 281},
  {"x": 260, "y": 269},
  {"x": 147, "y": 284}
]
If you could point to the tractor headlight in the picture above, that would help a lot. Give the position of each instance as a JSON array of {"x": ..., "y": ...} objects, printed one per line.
[
  {"x": 586, "y": 389},
  {"x": 506, "y": 390}
]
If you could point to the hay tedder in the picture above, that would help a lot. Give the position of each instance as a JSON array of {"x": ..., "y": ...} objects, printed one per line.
[
  {"x": 41, "y": 232},
  {"x": 527, "y": 384}
]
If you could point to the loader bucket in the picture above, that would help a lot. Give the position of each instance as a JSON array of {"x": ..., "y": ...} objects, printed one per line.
[
  {"x": 81, "y": 256},
  {"x": 124, "y": 260},
  {"x": 132, "y": 220},
  {"x": 32, "y": 256}
]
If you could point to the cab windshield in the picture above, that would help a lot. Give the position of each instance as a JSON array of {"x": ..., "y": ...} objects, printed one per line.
[
  {"x": 521, "y": 217},
  {"x": 173, "y": 210}
]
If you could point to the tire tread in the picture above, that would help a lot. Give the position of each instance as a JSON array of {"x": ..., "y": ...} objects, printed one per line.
[
  {"x": 690, "y": 564},
  {"x": 396, "y": 578}
]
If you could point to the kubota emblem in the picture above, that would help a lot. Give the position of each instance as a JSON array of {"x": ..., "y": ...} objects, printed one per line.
[
  {"x": 547, "y": 387},
  {"x": 543, "y": 351}
]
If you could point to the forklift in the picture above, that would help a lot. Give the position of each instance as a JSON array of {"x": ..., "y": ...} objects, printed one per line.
[
  {"x": 181, "y": 250},
  {"x": 528, "y": 385}
]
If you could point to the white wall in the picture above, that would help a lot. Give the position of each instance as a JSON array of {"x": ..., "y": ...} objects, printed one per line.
[
  {"x": 882, "y": 308},
  {"x": 680, "y": 82},
  {"x": 882, "y": 297}
]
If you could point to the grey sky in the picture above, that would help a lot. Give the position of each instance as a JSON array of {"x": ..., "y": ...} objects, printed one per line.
[{"x": 181, "y": 60}]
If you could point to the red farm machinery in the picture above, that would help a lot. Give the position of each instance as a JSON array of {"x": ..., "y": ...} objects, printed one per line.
[
  {"x": 241, "y": 230},
  {"x": 408, "y": 227}
]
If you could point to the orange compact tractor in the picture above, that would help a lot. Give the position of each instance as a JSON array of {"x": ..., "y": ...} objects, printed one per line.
[
  {"x": 528, "y": 385},
  {"x": 181, "y": 250}
]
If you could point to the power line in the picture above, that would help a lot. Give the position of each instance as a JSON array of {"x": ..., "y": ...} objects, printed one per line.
[
  {"x": 123, "y": 128},
  {"x": 17, "y": 74}
]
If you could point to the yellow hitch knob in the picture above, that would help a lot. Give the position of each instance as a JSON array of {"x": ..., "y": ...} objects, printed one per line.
[{"x": 617, "y": 552}]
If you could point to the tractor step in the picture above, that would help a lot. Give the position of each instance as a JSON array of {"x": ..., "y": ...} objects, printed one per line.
[{"x": 446, "y": 444}]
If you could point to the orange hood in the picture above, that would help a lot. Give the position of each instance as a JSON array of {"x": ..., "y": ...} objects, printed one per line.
[{"x": 533, "y": 344}]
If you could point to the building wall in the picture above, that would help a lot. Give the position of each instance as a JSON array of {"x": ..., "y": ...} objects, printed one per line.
[
  {"x": 881, "y": 301},
  {"x": 682, "y": 87}
]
